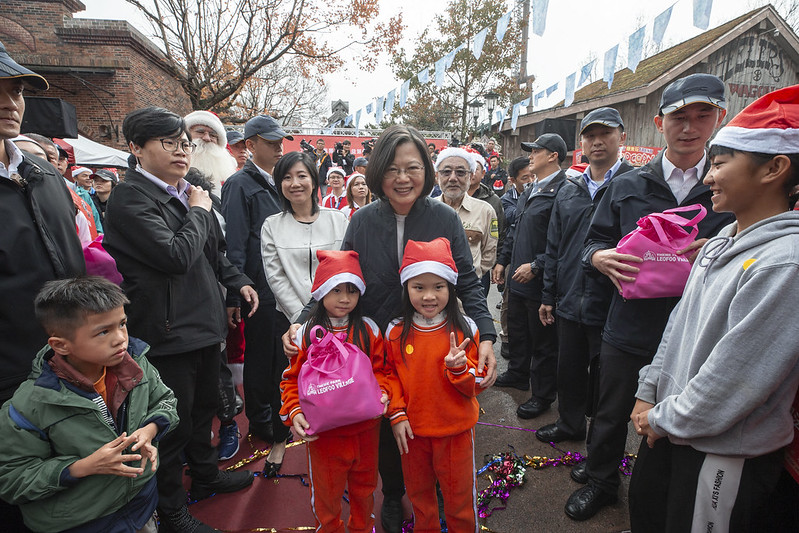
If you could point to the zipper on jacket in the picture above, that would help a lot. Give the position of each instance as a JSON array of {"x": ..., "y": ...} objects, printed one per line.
[{"x": 168, "y": 314}]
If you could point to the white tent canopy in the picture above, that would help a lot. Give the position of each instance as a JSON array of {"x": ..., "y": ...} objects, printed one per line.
[{"x": 88, "y": 152}]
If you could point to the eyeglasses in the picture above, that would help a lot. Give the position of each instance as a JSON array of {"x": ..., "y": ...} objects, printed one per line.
[
  {"x": 199, "y": 130},
  {"x": 412, "y": 171},
  {"x": 447, "y": 172},
  {"x": 171, "y": 145}
]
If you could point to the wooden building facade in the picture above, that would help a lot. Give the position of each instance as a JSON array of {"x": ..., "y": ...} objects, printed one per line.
[{"x": 753, "y": 54}]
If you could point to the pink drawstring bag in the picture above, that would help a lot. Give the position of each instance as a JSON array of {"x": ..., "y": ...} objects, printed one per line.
[
  {"x": 99, "y": 262},
  {"x": 656, "y": 240},
  {"x": 336, "y": 384}
]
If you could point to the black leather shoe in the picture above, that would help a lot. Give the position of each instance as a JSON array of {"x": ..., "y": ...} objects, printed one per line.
[
  {"x": 552, "y": 433},
  {"x": 506, "y": 379},
  {"x": 182, "y": 522},
  {"x": 225, "y": 481},
  {"x": 532, "y": 408},
  {"x": 391, "y": 515},
  {"x": 586, "y": 501},
  {"x": 580, "y": 472}
]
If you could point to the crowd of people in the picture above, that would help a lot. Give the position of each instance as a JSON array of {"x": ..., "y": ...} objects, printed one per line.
[{"x": 232, "y": 254}]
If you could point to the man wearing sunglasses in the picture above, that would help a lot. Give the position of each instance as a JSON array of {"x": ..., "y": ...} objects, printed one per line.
[{"x": 533, "y": 348}]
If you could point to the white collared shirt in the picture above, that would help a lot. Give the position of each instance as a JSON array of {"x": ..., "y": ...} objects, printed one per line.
[
  {"x": 681, "y": 182},
  {"x": 14, "y": 160},
  {"x": 180, "y": 192},
  {"x": 267, "y": 175}
]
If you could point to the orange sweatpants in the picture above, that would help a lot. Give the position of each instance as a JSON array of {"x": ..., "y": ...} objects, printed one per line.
[
  {"x": 336, "y": 462},
  {"x": 450, "y": 461}
]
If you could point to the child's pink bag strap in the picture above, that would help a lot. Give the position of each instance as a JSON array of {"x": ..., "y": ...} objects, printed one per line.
[{"x": 326, "y": 364}]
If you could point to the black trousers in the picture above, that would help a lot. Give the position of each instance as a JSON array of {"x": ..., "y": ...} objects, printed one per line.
[
  {"x": 194, "y": 378},
  {"x": 259, "y": 356},
  {"x": 226, "y": 411},
  {"x": 673, "y": 487},
  {"x": 577, "y": 345},
  {"x": 389, "y": 463},
  {"x": 264, "y": 362},
  {"x": 533, "y": 347},
  {"x": 618, "y": 381}
]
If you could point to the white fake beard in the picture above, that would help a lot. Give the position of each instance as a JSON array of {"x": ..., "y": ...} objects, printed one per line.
[{"x": 213, "y": 161}]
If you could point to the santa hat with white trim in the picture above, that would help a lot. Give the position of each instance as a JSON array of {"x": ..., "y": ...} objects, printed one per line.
[
  {"x": 210, "y": 119},
  {"x": 335, "y": 267},
  {"x": 769, "y": 125},
  {"x": 434, "y": 257}
]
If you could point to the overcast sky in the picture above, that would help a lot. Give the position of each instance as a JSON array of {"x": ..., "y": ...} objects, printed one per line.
[{"x": 576, "y": 30}]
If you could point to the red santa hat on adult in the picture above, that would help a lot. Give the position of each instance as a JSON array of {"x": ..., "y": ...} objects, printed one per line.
[
  {"x": 434, "y": 257},
  {"x": 769, "y": 125},
  {"x": 336, "y": 267},
  {"x": 210, "y": 119}
]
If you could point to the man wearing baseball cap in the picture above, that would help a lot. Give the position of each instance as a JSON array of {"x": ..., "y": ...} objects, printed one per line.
[
  {"x": 237, "y": 147},
  {"x": 248, "y": 197},
  {"x": 532, "y": 347},
  {"x": 691, "y": 108},
  {"x": 582, "y": 300},
  {"x": 104, "y": 181},
  {"x": 38, "y": 243}
]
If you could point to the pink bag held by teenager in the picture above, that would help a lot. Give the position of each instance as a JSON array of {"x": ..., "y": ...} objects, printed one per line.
[
  {"x": 336, "y": 384},
  {"x": 656, "y": 240}
]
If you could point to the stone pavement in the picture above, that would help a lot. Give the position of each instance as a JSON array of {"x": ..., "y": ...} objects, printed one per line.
[{"x": 537, "y": 506}]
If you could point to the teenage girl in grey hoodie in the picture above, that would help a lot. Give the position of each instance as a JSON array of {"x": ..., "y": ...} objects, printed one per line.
[{"x": 721, "y": 385}]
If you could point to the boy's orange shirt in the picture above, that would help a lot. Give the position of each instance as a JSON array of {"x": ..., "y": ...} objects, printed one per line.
[
  {"x": 437, "y": 401},
  {"x": 289, "y": 390}
]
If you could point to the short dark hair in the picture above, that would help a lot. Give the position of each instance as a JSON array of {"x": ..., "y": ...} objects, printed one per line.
[
  {"x": 282, "y": 168},
  {"x": 383, "y": 157},
  {"x": 63, "y": 305},
  {"x": 346, "y": 141},
  {"x": 516, "y": 165},
  {"x": 42, "y": 140},
  {"x": 148, "y": 123},
  {"x": 760, "y": 158}
]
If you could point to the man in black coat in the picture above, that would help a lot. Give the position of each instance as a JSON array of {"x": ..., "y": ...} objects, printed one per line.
[
  {"x": 248, "y": 197},
  {"x": 169, "y": 248},
  {"x": 579, "y": 301},
  {"x": 691, "y": 108},
  {"x": 533, "y": 348},
  {"x": 39, "y": 241}
]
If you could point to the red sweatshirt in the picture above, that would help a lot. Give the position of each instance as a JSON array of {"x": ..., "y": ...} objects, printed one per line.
[{"x": 437, "y": 401}]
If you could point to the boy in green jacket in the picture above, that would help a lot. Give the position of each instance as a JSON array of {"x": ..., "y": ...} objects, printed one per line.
[{"x": 77, "y": 436}]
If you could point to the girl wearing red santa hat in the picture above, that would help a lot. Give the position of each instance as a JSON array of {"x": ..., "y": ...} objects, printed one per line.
[
  {"x": 431, "y": 357},
  {"x": 345, "y": 456},
  {"x": 715, "y": 405}
]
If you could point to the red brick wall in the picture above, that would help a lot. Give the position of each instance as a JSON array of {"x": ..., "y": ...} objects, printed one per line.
[{"x": 105, "y": 68}]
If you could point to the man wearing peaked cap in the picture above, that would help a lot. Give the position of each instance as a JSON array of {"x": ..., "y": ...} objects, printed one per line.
[
  {"x": 39, "y": 242},
  {"x": 532, "y": 347},
  {"x": 691, "y": 108},
  {"x": 237, "y": 146},
  {"x": 582, "y": 300},
  {"x": 248, "y": 197}
]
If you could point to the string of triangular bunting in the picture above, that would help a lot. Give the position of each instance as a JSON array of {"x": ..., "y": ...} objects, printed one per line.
[
  {"x": 635, "y": 49},
  {"x": 383, "y": 106}
]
